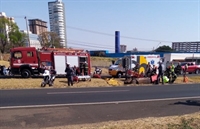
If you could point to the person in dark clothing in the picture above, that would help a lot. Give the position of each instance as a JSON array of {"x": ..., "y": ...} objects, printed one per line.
[
  {"x": 69, "y": 75},
  {"x": 85, "y": 66},
  {"x": 178, "y": 69},
  {"x": 136, "y": 68},
  {"x": 148, "y": 70},
  {"x": 160, "y": 73}
]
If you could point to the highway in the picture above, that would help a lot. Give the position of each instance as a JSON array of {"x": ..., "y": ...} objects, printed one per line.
[
  {"x": 58, "y": 107},
  {"x": 74, "y": 96}
]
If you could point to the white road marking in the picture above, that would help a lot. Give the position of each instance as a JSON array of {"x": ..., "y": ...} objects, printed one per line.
[
  {"x": 85, "y": 92},
  {"x": 99, "y": 103}
]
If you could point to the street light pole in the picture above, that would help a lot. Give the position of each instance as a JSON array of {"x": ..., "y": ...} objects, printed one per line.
[{"x": 27, "y": 31}]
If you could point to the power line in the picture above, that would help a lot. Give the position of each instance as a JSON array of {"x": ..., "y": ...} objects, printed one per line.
[
  {"x": 72, "y": 43},
  {"x": 87, "y": 42},
  {"x": 91, "y": 31}
]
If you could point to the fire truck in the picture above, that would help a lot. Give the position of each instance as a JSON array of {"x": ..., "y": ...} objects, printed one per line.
[{"x": 26, "y": 61}]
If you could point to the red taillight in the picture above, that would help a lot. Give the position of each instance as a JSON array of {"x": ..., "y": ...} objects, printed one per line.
[{"x": 132, "y": 56}]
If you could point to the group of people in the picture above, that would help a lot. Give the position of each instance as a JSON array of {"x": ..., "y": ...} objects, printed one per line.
[
  {"x": 150, "y": 71},
  {"x": 71, "y": 72}
]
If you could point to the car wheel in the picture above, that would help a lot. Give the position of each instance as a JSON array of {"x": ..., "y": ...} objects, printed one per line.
[
  {"x": 197, "y": 71},
  {"x": 119, "y": 74}
]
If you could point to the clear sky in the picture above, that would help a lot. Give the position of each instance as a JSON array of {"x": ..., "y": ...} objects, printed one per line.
[{"x": 91, "y": 24}]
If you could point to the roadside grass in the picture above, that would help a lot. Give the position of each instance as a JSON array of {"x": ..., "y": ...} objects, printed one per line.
[
  {"x": 189, "y": 121},
  {"x": 59, "y": 83},
  {"x": 6, "y": 63},
  {"x": 15, "y": 83}
]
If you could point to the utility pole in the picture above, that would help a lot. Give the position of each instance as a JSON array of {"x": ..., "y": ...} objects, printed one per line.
[{"x": 27, "y": 31}]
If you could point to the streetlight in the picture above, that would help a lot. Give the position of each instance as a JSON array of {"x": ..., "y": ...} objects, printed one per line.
[{"x": 27, "y": 31}]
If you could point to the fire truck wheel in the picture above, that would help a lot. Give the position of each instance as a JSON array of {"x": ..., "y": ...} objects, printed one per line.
[{"x": 26, "y": 73}]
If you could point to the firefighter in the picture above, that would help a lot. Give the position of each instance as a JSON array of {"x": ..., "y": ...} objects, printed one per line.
[
  {"x": 148, "y": 69},
  {"x": 160, "y": 73},
  {"x": 136, "y": 68},
  {"x": 172, "y": 68},
  {"x": 178, "y": 68},
  {"x": 154, "y": 70},
  {"x": 81, "y": 68},
  {"x": 69, "y": 75},
  {"x": 85, "y": 65},
  {"x": 172, "y": 73}
]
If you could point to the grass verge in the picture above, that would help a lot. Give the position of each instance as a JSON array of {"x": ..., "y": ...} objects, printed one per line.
[
  {"x": 15, "y": 83},
  {"x": 190, "y": 121}
]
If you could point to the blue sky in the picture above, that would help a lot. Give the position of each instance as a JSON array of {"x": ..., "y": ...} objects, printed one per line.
[{"x": 91, "y": 24}]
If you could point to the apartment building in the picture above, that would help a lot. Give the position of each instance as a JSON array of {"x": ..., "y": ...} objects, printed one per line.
[
  {"x": 57, "y": 20},
  {"x": 186, "y": 46},
  {"x": 37, "y": 26}
]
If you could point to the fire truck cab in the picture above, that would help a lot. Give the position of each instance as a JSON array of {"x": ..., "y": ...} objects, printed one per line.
[{"x": 26, "y": 61}]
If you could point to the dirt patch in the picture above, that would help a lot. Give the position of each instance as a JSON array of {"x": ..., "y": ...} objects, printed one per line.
[
  {"x": 6, "y": 63},
  {"x": 190, "y": 121}
]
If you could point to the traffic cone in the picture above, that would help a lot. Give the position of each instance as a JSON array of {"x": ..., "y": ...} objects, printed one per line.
[{"x": 185, "y": 78}]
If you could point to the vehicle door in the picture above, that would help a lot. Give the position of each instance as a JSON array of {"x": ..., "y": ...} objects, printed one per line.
[
  {"x": 31, "y": 58},
  {"x": 192, "y": 67},
  {"x": 16, "y": 59}
]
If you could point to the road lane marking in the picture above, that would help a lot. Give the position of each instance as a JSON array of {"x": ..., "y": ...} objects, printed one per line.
[
  {"x": 86, "y": 92},
  {"x": 98, "y": 103}
]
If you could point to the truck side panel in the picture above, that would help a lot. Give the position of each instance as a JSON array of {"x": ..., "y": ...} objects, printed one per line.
[
  {"x": 73, "y": 60},
  {"x": 60, "y": 63}
]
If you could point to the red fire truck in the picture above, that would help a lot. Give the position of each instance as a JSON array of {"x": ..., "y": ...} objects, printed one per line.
[{"x": 26, "y": 61}]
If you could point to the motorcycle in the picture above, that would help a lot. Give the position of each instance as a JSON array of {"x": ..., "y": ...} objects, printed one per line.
[
  {"x": 97, "y": 73},
  {"x": 48, "y": 77}
]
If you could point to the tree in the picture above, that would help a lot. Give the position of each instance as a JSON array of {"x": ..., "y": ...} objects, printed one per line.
[
  {"x": 164, "y": 48},
  {"x": 17, "y": 38},
  {"x": 10, "y": 36},
  {"x": 48, "y": 39}
]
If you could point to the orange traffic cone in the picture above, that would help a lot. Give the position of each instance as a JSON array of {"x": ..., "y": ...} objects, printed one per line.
[{"x": 185, "y": 78}]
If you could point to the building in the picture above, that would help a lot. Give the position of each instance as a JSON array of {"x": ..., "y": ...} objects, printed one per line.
[
  {"x": 186, "y": 46},
  {"x": 37, "y": 26},
  {"x": 34, "y": 42},
  {"x": 6, "y": 29},
  {"x": 57, "y": 20},
  {"x": 122, "y": 48}
]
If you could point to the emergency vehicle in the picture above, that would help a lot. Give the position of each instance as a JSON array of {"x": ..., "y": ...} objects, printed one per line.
[
  {"x": 26, "y": 61},
  {"x": 117, "y": 69}
]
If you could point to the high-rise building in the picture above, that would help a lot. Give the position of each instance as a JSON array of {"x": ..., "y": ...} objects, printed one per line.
[
  {"x": 37, "y": 26},
  {"x": 186, "y": 46},
  {"x": 57, "y": 20}
]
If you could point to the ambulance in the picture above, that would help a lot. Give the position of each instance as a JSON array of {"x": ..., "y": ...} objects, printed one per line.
[{"x": 117, "y": 69}]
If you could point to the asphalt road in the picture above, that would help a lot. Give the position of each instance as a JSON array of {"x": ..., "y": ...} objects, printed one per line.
[{"x": 36, "y": 108}]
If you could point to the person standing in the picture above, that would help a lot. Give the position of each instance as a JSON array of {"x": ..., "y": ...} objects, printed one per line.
[
  {"x": 85, "y": 66},
  {"x": 160, "y": 73},
  {"x": 148, "y": 69},
  {"x": 69, "y": 75}
]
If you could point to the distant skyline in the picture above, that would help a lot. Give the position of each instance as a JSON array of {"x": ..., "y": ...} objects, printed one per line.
[{"x": 91, "y": 24}]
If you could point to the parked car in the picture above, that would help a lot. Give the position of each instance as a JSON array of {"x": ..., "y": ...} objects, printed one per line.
[{"x": 192, "y": 67}]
